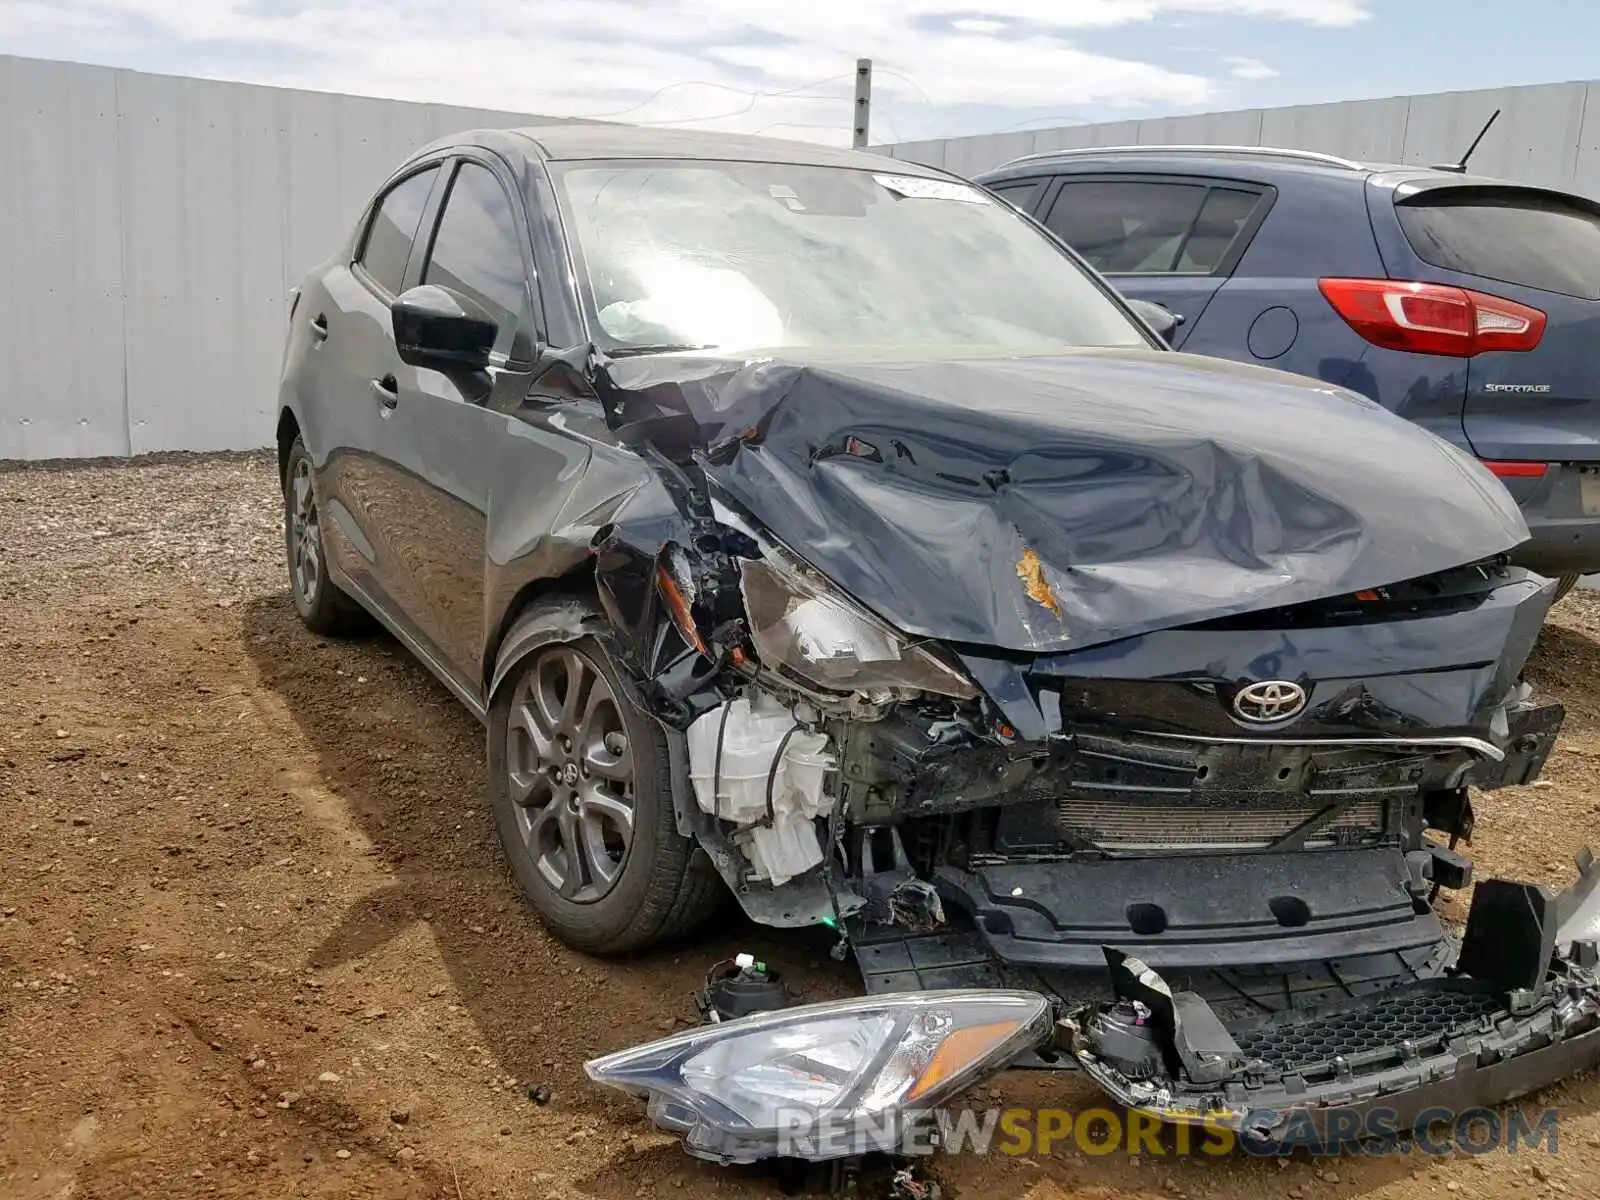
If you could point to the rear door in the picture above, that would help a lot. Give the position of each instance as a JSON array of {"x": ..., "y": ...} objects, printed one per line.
[
  {"x": 1170, "y": 239},
  {"x": 1537, "y": 248},
  {"x": 354, "y": 358}
]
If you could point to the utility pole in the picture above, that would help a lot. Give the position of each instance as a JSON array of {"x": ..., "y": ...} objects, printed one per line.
[{"x": 863, "y": 103}]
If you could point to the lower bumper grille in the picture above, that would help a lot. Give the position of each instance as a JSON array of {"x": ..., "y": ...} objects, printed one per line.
[{"x": 1424, "y": 1016}]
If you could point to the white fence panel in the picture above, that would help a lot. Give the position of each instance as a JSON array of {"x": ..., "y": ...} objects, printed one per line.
[
  {"x": 150, "y": 229},
  {"x": 61, "y": 287}
]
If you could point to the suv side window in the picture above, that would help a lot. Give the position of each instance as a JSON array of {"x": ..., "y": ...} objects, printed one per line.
[
  {"x": 1020, "y": 195},
  {"x": 387, "y": 245},
  {"x": 1127, "y": 227},
  {"x": 477, "y": 250},
  {"x": 1222, "y": 218}
]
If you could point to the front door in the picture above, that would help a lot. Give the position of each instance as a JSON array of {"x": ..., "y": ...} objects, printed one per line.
[
  {"x": 460, "y": 431},
  {"x": 354, "y": 369}
]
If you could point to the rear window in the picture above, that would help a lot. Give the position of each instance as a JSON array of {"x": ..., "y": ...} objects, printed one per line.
[
  {"x": 388, "y": 243},
  {"x": 1523, "y": 238}
]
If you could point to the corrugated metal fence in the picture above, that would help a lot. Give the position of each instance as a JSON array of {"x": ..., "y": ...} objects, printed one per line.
[
  {"x": 1548, "y": 134},
  {"x": 150, "y": 229}
]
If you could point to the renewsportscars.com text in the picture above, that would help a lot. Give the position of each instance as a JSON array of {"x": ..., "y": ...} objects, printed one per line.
[{"x": 1026, "y": 1132}]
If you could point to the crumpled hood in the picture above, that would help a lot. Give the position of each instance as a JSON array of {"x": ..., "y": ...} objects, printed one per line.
[{"x": 1045, "y": 504}]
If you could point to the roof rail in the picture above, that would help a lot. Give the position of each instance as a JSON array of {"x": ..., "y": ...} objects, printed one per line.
[{"x": 1332, "y": 160}]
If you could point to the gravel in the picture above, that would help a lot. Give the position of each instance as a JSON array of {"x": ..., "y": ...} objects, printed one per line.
[{"x": 138, "y": 526}]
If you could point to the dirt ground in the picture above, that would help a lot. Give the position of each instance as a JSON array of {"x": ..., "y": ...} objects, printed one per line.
[{"x": 256, "y": 937}]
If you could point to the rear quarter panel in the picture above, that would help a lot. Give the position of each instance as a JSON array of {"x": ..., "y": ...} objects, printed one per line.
[
  {"x": 299, "y": 385},
  {"x": 1271, "y": 311}
]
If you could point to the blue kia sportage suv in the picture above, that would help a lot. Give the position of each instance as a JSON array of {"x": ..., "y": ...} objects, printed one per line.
[{"x": 1469, "y": 305}]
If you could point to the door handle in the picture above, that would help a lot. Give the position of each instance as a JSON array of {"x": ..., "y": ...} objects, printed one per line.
[
  {"x": 386, "y": 391},
  {"x": 319, "y": 327}
]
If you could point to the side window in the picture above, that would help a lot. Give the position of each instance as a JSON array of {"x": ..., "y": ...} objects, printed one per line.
[
  {"x": 477, "y": 249},
  {"x": 388, "y": 242},
  {"x": 1126, "y": 227},
  {"x": 1019, "y": 195},
  {"x": 1223, "y": 217}
]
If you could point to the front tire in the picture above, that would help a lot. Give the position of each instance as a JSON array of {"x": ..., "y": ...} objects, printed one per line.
[
  {"x": 1564, "y": 584},
  {"x": 323, "y": 608},
  {"x": 582, "y": 800}
]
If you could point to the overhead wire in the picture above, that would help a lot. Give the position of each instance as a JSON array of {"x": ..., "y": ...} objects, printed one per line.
[
  {"x": 752, "y": 98},
  {"x": 834, "y": 125},
  {"x": 1063, "y": 118}
]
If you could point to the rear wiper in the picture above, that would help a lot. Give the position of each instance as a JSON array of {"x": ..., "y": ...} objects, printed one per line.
[{"x": 664, "y": 348}]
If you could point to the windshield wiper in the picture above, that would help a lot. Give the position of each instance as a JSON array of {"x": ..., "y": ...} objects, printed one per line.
[{"x": 664, "y": 348}]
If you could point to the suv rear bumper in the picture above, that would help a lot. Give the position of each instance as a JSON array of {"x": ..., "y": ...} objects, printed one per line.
[{"x": 1565, "y": 540}]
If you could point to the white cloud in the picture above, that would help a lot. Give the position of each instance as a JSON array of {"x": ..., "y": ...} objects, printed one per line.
[
  {"x": 1250, "y": 68},
  {"x": 978, "y": 25},
  {"x": 690, "y": 61}
]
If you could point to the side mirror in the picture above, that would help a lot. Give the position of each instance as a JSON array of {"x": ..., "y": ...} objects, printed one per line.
[
  {"x": 1158, "y": 316},
  {"x": 435, "y": 327}
]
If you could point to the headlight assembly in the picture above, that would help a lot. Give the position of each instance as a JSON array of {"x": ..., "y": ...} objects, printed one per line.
[
  {"x": 825, "y": 1080},
  {"x": 801, "y": 621}
]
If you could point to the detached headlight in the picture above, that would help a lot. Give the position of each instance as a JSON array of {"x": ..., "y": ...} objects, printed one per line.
[
  {"x": 801, "y": 621},
  {"x": 824, "y": 1080}
]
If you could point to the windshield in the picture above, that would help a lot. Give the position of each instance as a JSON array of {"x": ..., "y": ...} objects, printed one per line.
[{"x": 738, "y": 256}]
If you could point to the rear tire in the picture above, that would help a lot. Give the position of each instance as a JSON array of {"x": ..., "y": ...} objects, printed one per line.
[
  {"x": 582, "y": 798},
  {"x": 1564, "y": 584},
  {"x": 323, "y": 608}
]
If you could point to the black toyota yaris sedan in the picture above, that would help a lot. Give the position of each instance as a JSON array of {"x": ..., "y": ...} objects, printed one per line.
[{"x": 810, "y": 526}]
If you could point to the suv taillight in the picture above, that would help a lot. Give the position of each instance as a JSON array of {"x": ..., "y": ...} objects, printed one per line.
[{"x": 1430, "y": 318}]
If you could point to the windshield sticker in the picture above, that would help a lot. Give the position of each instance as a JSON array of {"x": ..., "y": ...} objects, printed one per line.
[
  {"x": 915, "y": 188},
  {"x": 782, "y": 191}
]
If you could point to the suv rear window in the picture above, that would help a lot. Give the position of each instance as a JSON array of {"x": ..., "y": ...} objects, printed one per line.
[{"x": 1527, "y": 238}]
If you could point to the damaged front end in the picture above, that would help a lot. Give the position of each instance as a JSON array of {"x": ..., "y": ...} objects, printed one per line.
[
  {"x": 1155, "y": 739},
  {"x": 1519, "y": 1010}
]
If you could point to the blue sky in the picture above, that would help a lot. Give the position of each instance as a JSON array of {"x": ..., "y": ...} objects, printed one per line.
[{"x": 784, "y": 67}]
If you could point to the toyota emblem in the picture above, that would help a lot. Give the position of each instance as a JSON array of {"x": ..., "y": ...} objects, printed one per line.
[{"x": 1269, "y": 701}]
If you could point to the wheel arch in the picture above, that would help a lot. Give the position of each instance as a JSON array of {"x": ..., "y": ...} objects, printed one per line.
[
  {"x": 555, "y": 608},
  {"x": 288, "y": 431}
]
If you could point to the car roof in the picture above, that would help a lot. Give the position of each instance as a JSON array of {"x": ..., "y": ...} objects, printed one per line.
[
  {"x": 1264, "y": 162},
  {"x": 581, "y": 141}
]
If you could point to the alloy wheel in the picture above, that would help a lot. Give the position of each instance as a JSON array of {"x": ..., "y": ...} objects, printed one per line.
[
  {"x": 571, "y": 774},
  {"x": 305, "y": 535}
]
